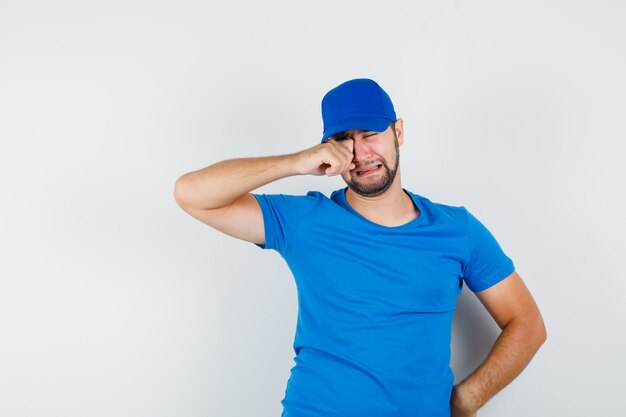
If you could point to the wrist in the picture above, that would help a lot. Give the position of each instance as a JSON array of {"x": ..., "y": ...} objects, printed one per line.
[{"x": 293, "y": 162}]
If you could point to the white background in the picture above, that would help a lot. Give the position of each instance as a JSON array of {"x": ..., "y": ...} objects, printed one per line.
[{"x": 114, "y": 302}]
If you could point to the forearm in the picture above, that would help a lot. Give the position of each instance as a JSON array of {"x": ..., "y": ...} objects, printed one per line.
[
  {"x": 516, "y": 345},
  {"x": 224, "y": 182}
]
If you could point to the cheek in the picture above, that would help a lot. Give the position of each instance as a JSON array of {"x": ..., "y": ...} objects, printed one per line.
[{"x": 382, "y": 151}]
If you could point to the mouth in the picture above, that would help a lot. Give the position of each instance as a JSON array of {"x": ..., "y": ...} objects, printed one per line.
[{"x": 368, "y": 170}]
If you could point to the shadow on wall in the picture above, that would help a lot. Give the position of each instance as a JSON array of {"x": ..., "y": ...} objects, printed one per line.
[{"x": 473, "y": 333}]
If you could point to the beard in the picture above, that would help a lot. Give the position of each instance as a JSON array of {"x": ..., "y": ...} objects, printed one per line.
[{"x": 371, "y": 188}]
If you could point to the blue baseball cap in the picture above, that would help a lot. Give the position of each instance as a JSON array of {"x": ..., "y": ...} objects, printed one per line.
[{"x": 356, "y": 104}]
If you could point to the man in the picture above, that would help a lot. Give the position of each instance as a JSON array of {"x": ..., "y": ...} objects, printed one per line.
[{"x": 378, "y": 270}]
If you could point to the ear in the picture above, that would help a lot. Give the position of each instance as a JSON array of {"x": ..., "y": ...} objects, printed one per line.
[{"x": 400, "y": 130}]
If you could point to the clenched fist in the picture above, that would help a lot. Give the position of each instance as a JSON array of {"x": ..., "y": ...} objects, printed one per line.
[{"x": 328, "y": 158}]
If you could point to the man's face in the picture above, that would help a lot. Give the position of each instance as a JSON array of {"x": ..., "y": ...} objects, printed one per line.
[{"x": 376, "y": 156}]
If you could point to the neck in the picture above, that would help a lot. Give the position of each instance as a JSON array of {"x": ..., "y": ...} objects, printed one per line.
[{"x": 394, "y": 207}]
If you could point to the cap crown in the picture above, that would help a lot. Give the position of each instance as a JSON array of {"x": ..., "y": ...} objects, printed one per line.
[{"x": 356, "y": 104}]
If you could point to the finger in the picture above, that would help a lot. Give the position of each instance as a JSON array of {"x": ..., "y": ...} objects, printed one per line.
[
  {"x": 343, "y": 168},
  {"x": 348, "y": 161},
  {"x": 348, "y": 144},
  {"x": 345, "y": 148},
  {"x": 342, "y": 152},
  {"x": 334, "y": 168},
  {"x": 338, "y": 164},
  {"x": 331, "y": 159},
  {"x": 347, "y": 158}
]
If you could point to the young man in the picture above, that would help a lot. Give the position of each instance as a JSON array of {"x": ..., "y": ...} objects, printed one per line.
[{"x": 378, "y": 270}]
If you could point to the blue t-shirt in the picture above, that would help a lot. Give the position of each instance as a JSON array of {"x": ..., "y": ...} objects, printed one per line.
[{"x": 375, "y": 303}]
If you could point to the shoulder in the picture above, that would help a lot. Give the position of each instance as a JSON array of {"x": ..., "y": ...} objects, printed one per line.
[{"x": 441, "y": 212}]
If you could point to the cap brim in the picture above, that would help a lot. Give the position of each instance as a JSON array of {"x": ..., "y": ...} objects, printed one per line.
[{"x": 375, "y": 124}]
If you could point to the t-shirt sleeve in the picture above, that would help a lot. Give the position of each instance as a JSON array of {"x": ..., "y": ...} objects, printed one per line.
[
  {"x": 487, "y": 263},
  {"x": 282, "y": 215}
]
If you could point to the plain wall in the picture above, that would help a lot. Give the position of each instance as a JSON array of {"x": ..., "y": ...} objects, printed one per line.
[{"x": 114, "y": 302}]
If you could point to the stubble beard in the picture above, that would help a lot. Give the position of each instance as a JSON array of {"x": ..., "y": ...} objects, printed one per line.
[{"x": 373, "y": 189}]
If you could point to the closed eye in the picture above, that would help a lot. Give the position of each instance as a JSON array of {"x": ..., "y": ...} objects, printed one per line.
[{"x": 344, "y": 137}]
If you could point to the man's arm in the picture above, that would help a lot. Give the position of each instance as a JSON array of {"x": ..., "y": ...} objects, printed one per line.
[
  {"x": 219, "y": 195},
  {"x": 523, "y": 331}
]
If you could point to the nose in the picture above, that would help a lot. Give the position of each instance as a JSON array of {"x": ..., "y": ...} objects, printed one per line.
[{"x": 362, "y": 150}]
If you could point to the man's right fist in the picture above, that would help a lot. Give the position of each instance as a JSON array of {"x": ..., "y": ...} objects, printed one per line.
[{"x": 328, "y": 158}]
